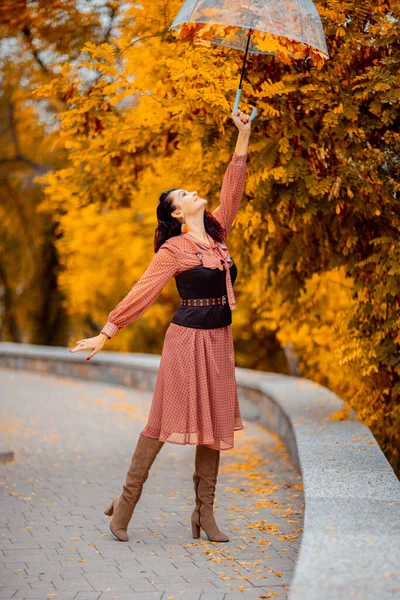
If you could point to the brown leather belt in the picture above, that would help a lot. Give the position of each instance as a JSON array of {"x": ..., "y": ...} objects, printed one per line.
[{"x": 204, "y": 301}]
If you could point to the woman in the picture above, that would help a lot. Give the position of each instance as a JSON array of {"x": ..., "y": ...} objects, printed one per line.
[{"x": 195, "y": 397}]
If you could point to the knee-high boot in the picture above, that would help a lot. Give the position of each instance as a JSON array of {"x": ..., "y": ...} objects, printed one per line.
[
  {"x": 205, "y": 480},
  {"x": 122, "y": 507}
]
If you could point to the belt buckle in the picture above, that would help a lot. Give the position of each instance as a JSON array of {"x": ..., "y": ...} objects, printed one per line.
[{"x": 224, "y": 299}]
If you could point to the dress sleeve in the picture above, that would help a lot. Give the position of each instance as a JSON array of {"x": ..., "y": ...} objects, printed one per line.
[
  {"x": 231, "y": 191},
  {"x": 145, "y": 291}
]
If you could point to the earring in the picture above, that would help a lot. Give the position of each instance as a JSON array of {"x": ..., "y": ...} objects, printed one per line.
[{"x": 184, "y": 228}]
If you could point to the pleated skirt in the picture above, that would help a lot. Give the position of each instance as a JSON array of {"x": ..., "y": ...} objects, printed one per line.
[{"x": 195, "y": 398}]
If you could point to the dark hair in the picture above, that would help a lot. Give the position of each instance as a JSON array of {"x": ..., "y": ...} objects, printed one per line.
[{"x": 169, "y": 227}]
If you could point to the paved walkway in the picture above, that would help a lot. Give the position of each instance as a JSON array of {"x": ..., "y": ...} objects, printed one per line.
[{"x": 73, "y": 442}]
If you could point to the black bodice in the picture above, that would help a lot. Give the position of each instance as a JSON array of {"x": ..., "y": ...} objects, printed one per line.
[{"x": 202, "y": 282}]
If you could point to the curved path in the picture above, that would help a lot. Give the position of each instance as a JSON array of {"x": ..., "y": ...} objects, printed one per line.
[{"x": 73, "y": 441}]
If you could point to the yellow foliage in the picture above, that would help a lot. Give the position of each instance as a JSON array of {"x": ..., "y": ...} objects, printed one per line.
[{"x": 139, "y": 110}]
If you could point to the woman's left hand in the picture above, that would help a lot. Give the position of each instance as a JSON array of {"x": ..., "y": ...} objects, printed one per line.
[
  {"x": 241, "y": 120},
  {"x": 95, "y": 344}
]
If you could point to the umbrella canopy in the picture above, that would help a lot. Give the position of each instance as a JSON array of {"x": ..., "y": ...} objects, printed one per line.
[
  {"x": 224, "y": 22},
  {"x": 288, "y": 28}
]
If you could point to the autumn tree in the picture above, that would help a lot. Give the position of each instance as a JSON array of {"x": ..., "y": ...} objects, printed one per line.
[
  {"x": 36, "y": 36},
  {"x": 319, "y": 266}
]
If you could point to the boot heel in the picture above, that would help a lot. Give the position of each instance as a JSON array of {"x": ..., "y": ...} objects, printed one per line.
[
  {"x": 195, "y": 530},
  {"x": 110, "y": 510}
]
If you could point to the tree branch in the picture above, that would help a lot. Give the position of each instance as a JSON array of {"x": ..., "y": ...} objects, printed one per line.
[
  {"x": 27, "y": 34},
  {"x": 19, "y": 156},
  {"x": 146, "y": 37}
]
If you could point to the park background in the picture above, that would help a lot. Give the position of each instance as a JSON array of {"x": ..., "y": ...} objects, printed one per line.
[{"x": 102, "y": 109}]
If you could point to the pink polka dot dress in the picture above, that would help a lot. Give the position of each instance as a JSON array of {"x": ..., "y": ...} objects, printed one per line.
[{"x": 195, "y": 398}]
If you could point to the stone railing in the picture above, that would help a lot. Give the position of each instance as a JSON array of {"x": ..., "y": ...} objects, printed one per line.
[{"x": 350, "y": 545}]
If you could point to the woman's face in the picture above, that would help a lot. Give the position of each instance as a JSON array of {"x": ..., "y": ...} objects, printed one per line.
[{"x": 186, "y": 203}]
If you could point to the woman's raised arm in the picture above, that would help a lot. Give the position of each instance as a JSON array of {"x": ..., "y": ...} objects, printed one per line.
[{"x": 235, "y": 176}]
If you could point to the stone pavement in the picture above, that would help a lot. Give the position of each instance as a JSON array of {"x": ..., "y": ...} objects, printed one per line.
[{"x": 73, "y": 441}]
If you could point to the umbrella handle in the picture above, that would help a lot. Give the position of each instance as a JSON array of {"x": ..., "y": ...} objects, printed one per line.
[{"x": 236, "y": 105}]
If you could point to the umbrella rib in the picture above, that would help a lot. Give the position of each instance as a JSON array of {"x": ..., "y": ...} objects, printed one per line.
[
  {"x": 192, "y": 11},
  {"x": 247, "y": 12},
  {"x": 301, "y": 22},
  {"x": 271, "y": 20}
]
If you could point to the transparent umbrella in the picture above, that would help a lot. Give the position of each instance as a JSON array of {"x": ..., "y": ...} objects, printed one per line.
[{"x": 291, "y": 27}]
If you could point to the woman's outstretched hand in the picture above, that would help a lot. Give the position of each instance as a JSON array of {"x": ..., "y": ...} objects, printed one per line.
[
  {"x": 241, "y": 120},
  {"x": 95, "y": 343}
]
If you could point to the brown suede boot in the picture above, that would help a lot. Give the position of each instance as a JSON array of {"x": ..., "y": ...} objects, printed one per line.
[
  {"x": 205, "y": 480},
  {"x": 122, "y": 507},
  {"x": 196, "y": 511}
]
